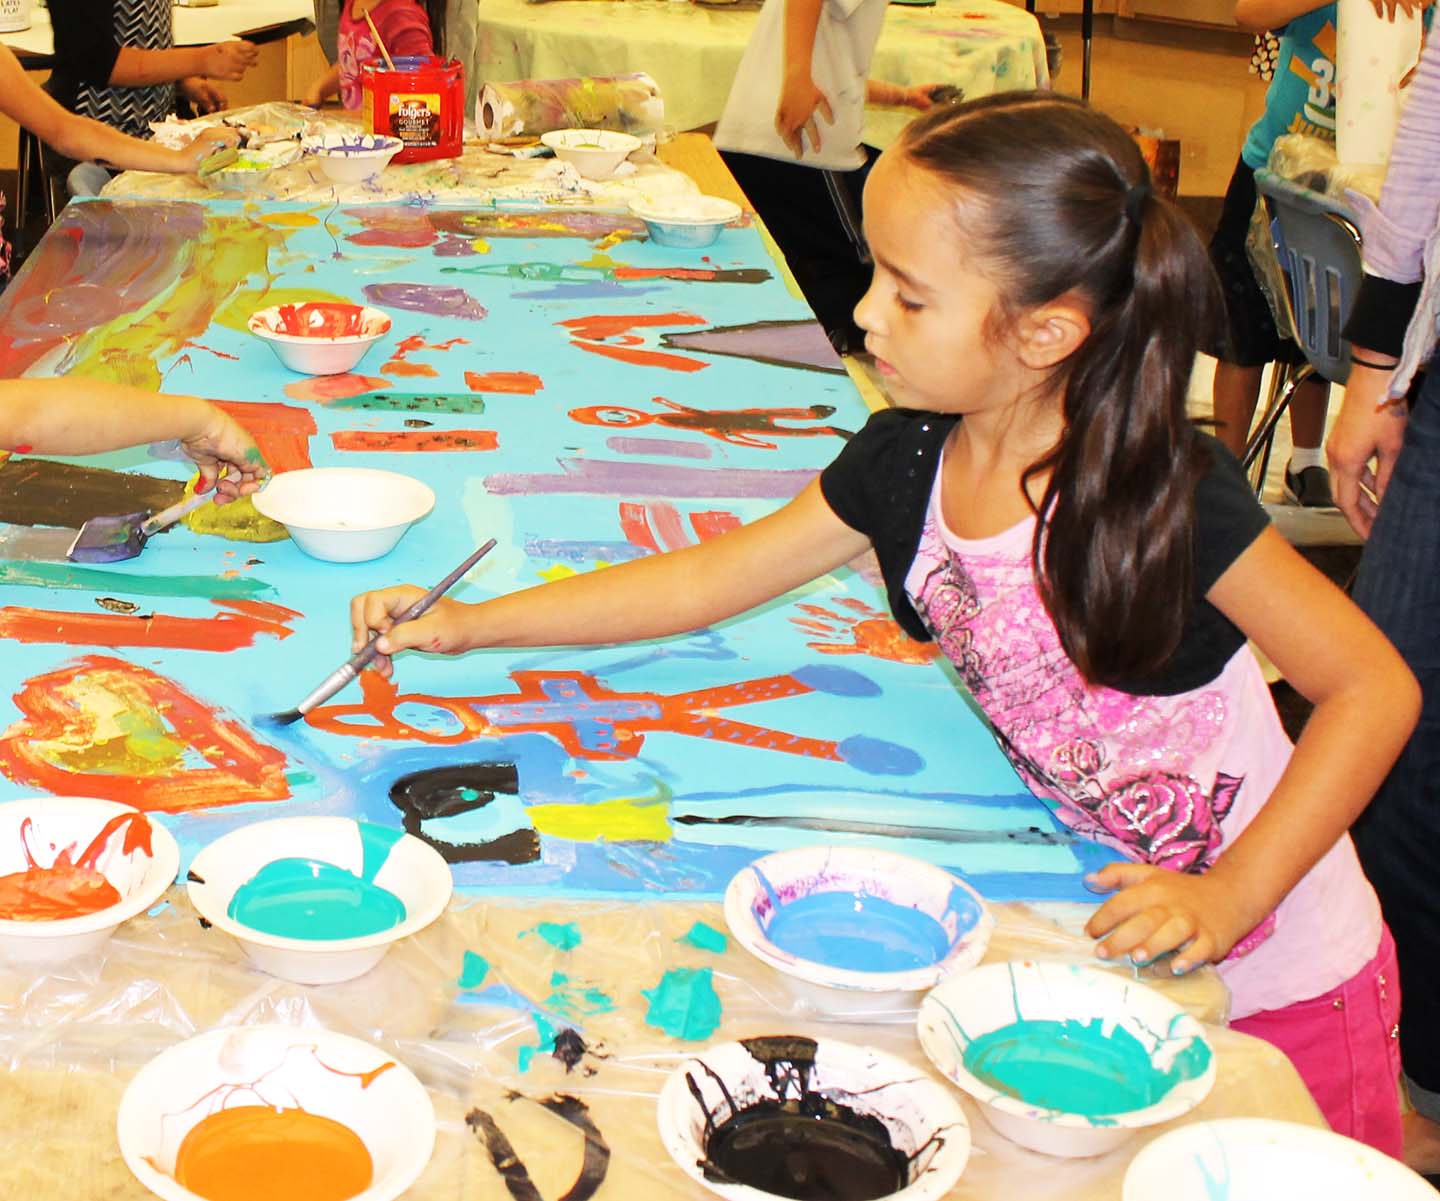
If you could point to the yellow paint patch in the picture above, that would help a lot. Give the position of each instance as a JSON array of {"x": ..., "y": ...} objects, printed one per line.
[
  {"x": 239, "y": 521},
  {"x": 560, "y": 571},
  {"x": 289, "y": 220},
  {"x": 480, "y": 246},
  {"x": 624, "y": 819}
]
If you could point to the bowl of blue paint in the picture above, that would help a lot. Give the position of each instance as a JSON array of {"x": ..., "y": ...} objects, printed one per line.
[
  {"x": 685, "y": 222},
  {"x": 279, "y": 1113},
  {"x": 1261, "y": 1159},
  {"x": 793, "y": 1116},
  {"x": 1064, "y": 1058},
  {"x": 318, "y": 900},
  {"x": 856, "y": 930}
]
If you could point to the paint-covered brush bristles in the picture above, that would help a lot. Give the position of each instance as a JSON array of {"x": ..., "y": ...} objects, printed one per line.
[{"x": 357, "y": 663}]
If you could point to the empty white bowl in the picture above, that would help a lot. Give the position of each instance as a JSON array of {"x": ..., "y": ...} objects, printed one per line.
[
  {"x": 51, "y": 827},
  {"x": 687, "y": 222},
  {"x": 1259, "y": 1159},
  {"x": 281, "y": 1068},
  {"x": 344, "y": 514},
  {"x": 1020, "y": 1036},
  {"x": 912, "y": 909},
  {"x": 353, "y": 157},
  {"x": 320, "y": 337},
  {"x": 595, "y": 153},
  {"x": 923, "y": 1121},
  {"x": 411, "y": 870}
]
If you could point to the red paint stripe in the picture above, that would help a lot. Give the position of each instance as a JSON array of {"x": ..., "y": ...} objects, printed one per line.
[
  {"x": 712, "y": 523},
  {"x": 607, "y": 325},
  {"x": 642, "y": 358},
  {"x": 665, "y": 273},
  {"x": 636, "y": 526},
  {"x": 223, "y": 632},
  {"x": 281, "y": 431},
  {"x": 520, "y": 382},
  {"x": 377, "y": 440},
  {"x": 665, "y": 520}
]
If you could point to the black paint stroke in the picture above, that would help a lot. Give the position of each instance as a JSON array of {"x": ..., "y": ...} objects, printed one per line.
[
  {"x": 594, "y": 1164},
  {"x": 439, "y": 792},
  {"x": 44, "y": 492}
]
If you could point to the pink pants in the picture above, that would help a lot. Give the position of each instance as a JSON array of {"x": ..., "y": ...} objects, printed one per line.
[{"x": 1345, "y": 1046}]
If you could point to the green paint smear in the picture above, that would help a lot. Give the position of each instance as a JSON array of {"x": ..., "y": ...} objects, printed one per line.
[
  {"x": 410, "y": 402},
  {"x": 684, "y": 1004},
  {"x": 298, "y": 777},
  {"x": 473, "y": 970},
  {"x": 1076, "y": 1067},
  {"x": 576, "y": 1000},
  {"x": 563, "y": 937},
  {"x": 706, "y": 937},
  {"x": 545, "y": 1032},
  {"x": 89, "y": 579}
]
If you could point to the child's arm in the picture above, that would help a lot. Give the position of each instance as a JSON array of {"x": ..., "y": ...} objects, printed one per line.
[
  {"x": 26, "y": 103},
  {"x": 1260, "y": 15},
  {"x": 800, "y": 99},
  {"x": 74, "y": 416},
  {"x": 647, "y": 598},
  {"x": 921, "y": 96},
  {"x": 1366, "y": 704},
  {"x": 323, "y": 88}
]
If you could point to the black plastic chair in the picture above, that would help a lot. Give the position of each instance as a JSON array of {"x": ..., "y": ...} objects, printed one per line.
[{"x": 1317, "y": 246}]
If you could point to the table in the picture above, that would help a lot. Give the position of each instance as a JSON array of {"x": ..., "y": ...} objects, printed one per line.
[
  {"x": 535, "y": 358},
  {"x": 692, "y": 51},
  {"x": 256, "y": 20}
]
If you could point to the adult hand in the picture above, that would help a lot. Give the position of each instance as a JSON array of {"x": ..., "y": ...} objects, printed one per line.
[
  {"x": 230, "y": 60},
  {"x": 441, "y": 630},
  {"x": 1388, "y": 8},
  {"x": 204, "y": 96},
  {"x": 1156, "y": 910},
  {"x": 801, "y": 104},
  {"x": 228, "y": 459},
  {"x": 1363, "y": 446}
]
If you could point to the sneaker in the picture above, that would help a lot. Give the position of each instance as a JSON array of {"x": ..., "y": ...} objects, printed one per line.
[{"x": 1309, "y": 487}]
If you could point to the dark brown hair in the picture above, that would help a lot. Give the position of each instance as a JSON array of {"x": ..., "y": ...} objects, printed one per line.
[{"x": 1054, "y": 199}]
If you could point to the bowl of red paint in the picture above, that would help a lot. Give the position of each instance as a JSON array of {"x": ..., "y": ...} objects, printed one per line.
[
  {"x": 1064, "y": 1058},
  {"x": 320, "y": 337},
  {"x": 318, "y": 900},
  {"x": 793, "y": 1116},
  {"x": 857, "y": 931},
  {"x": 275, "y": 1113},
  {"x": 71, "y": 870}
]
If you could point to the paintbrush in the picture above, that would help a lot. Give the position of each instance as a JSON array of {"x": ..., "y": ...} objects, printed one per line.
[
  {"x": 113, "y": 539},
  {"x": 379, "y": 41},
  {"x": 217, "y": 161},
  {"x": 353, "y": 666}
]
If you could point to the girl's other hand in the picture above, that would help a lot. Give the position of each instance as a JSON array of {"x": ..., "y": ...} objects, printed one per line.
[
  {"x": 1155, "y": 910},
  {"x": 228, "y": 459},
  {"x": 1363, "y": 445},
  {"x": 204, "y": 96},
  {"x": 1388, "y": 8},
  {"x": 230, "y": 60},
  {"x": 797, "y": 117},
  {"x": 441, "y": 630}
]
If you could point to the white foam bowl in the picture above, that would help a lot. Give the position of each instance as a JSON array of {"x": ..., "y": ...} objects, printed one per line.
[
  {"x": 70, "y": 824},
  {"x": 996, "y": 995},
  {"x": 916, "y": 1111},
  {"x": 345, "y": 514},
  {"x": 251, "y": 170},
  {"x": 281, "y": 1067},
  {"x": 826, "y": 990},
  {"x": 595, "y": 153},
  {"x": 315, "y": 353},
  {"x": 1259, "y": 1159},
  {"x": 687, "y": 222},
  {"x": 414, "y": 871},
  {"x": 353, "y": 157}
]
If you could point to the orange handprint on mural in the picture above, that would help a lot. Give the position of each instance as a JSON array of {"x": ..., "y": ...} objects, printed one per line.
[{"x": 869, "y": 632}]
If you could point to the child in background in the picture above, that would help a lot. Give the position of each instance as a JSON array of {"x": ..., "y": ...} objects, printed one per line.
[
  {"x": 407, "y": 27},
  {"x": 75, "y": 416},
  {"x": 1091, "y": 563}
]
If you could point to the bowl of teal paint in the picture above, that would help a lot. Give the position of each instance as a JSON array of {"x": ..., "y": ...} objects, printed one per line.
[
  {"x": 793, "y": 1116},
  {"x": 72, "y": 869},
  {"x": 318, "y": 900},
  {"x": 856, "y": 930},
  {"x": 1260, "y": 1159},
  {"x": 1063, "y": 1058}
]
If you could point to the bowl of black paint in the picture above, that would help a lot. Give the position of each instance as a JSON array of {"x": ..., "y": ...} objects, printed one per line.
[
  {"x": 1064, "y": 1058},
  {"x": 856, "y": 930},
  {"x": 812, "y": 1120}
]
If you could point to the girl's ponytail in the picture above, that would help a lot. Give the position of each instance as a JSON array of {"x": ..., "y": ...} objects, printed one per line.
[{"x": 1057, "y": 200}]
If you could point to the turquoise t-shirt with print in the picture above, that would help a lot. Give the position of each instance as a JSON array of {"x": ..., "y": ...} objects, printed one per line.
[{"x": 1301, "y": 97}]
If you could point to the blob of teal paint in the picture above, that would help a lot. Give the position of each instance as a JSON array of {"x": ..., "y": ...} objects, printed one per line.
[
  {"x": 858, "y": 933},
  {"x": 684, "y": 1004},
  {"x": 572, "y": 1000},
  {"x": 1077, "y": 1067},
  {"x": 545, "y": 1032},
  {"x": 706, "y": 937},
  {"x": 563, "y": 936},
  {"x": 312, "y": 899},
  {"x": 473, "y": 970}
]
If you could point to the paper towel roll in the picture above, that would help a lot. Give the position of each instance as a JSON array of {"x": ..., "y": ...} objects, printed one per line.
[
  {"x": 526, "y": 107},
  {"x": 1372, "y": 56}
]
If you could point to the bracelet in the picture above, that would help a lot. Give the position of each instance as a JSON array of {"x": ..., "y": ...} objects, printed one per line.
[{"x": 1357, "y": 361}]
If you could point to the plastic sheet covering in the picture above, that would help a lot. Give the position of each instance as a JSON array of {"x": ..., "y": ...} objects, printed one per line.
[{"x": 71, "y": 1039}]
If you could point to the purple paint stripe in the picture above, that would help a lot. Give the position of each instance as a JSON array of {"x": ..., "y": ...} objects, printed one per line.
[
  {"x": 604, "y": 478},
  {"x": 659, "y": 446}
]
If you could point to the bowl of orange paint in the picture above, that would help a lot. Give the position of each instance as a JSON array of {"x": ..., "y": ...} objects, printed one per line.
[
  {"x": 320, "y": 337},
  {"x": 275, "y": 1113},
  {"x": 71, "y": 870},
  {"x": 318, "y": 900}
]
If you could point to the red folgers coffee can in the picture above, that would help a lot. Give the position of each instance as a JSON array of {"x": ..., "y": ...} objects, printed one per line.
[{"x": 421, "y": 102}]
